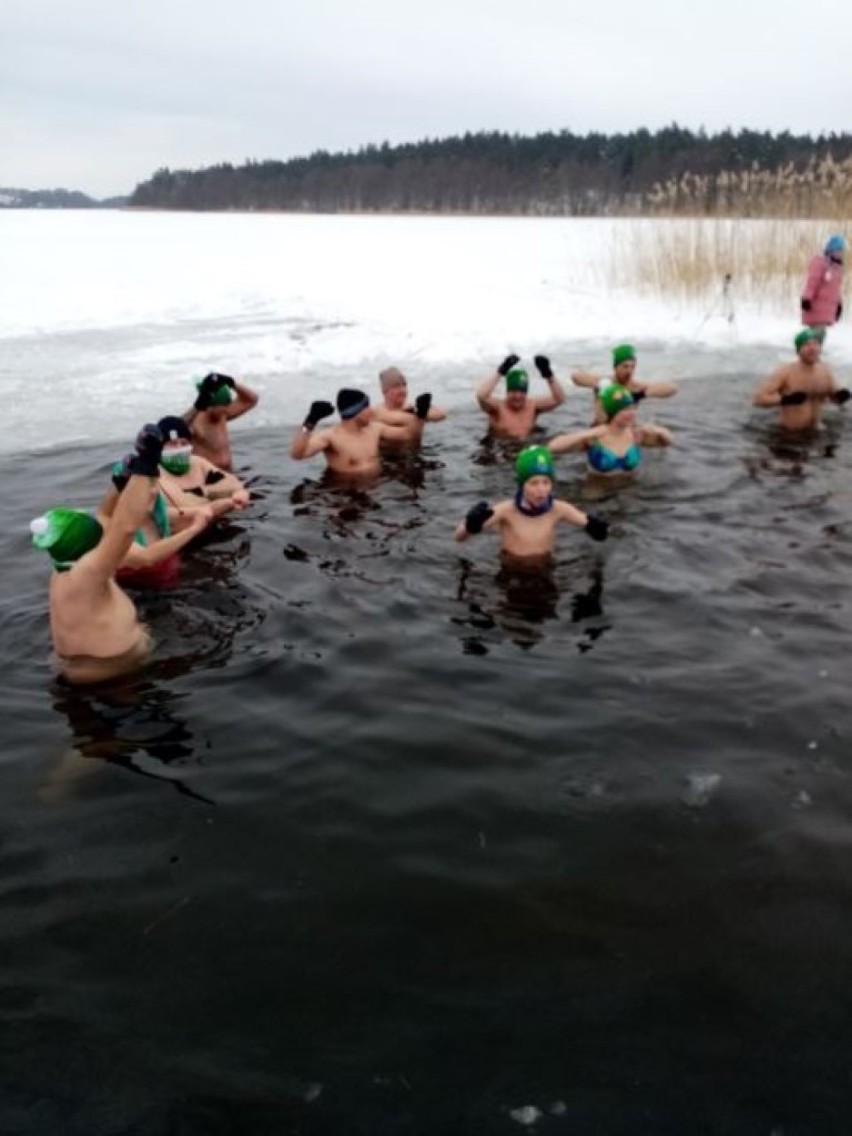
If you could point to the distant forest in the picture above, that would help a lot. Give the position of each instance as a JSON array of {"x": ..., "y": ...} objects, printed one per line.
[
  {"x": 55, "y": 199},
  {"x": 668, "y": 171}
]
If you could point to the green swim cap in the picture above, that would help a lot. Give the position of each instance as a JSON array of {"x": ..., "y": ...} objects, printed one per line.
[
  {"x": 517, "y": 380},
  {"x": 534, "y": 461},
  {"x": 66, "y": 534},
  {"x": 807, "y": 334},
  {"x": 615, "y": 397},
  {"x": 623, "y": 354},
  {"x": 221, "y": 396}
]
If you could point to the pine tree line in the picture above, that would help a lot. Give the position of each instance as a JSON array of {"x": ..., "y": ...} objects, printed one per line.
[{"x": 672, "y": 170}]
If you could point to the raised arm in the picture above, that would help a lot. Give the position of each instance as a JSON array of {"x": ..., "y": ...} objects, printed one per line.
[
  {"x": 131, "y": 507},
  {"x": 305, "y": 443},
  {"x": 246, "y": 399},
  {"x": 654, "y": 390},
  {"x": 485, "y": 390},
  {"x": 578, "y": 440},
  {"x": 557, "y": 391},
  {"x": 585, "y": 379},
  {"x": 425, "y": 411}
]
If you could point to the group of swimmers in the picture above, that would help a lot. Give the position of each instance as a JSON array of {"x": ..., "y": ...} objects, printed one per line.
[{"x": 179, "y": 478}]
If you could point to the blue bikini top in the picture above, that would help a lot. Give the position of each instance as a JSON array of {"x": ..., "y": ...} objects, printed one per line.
[{"x": 603, "y": 460}]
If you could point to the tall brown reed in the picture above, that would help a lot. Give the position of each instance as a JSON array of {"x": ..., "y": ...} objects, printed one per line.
[{"x": 689, "y": 260}]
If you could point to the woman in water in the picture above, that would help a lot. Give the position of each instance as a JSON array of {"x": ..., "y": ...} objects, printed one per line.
[
  {"x": 189, "y": 480},
  {"x": 152, "y": 558},
  {"x": 616, "y": 446}
]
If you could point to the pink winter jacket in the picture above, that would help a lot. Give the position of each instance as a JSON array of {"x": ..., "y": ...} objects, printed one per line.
[{"x": 822, "y": 288}]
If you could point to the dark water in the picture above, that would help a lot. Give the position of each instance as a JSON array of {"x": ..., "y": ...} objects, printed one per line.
[{"x": 385, "y": 842}]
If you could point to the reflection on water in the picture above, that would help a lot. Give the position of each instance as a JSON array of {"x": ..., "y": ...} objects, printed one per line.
[
  {"x": 132, "y": 723},
  {"x": 485, "y": 839},
  {"x": 523, "y": 597}
]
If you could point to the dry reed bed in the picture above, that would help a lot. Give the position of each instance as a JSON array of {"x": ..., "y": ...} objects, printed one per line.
[{"x": 688, "y": 260}]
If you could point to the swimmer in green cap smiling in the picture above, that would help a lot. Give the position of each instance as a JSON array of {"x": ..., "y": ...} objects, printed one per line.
[
  {"x": 527, "y": 523},
  {"x": 515, "y": 415},
  {"x": 799, "y": 389},
  {"x": 623, "y": 374}
]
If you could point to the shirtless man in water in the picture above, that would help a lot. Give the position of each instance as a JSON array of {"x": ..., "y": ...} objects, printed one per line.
[
  {"x": 527, "y": 523},
  {"x": 352, "y": 447},
  {"x": 801, "y": 388},
  {"x": 93, "y": 623},
  {"x": 220, "y": 400},
  {"x": 515, "y": 416},
  {"x": 623, "y": 374},
  {"x": 397, "y": 411}
]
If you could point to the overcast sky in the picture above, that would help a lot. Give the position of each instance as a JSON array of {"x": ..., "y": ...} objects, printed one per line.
[{"x": 97, "y": 94}]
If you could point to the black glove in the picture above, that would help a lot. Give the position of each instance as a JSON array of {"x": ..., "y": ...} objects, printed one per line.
[
  {"x": 148, "y": 449},
  {"x": 318, "y": 410},
  {"x": 508, "y": 363},
  {"x": 421, "y": 405},
  {"x": 544, "y": 368},
  {"x": 841, "y": 396},
  {"x": 121, "y": 473},
  {"x": 806, "y": 305},
  {"x": 596, "y": 527},
  {"x": 794, "y": 398},
  {"x": 639, "y": 395},
  {"x": 209, "y": 385},
  {"x": 839, "y": 311},
  {"x": 477, "y": 516}
]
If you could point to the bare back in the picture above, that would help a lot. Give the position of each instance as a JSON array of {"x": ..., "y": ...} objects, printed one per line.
[{"x": 95, "y": 629}]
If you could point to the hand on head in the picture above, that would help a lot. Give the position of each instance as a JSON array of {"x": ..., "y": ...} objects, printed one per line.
[{"x": 209, "y": 387}]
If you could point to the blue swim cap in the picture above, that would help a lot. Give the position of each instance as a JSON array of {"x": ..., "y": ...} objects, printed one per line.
[{"x": 835, "y": 244}]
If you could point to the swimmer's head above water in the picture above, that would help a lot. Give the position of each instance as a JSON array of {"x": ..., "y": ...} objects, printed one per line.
[
  {"x": 517, "y": 385},
  {"x": 66, "y": 535},
  {"x": 808, "y": 343},
  {"x": 615, "y": 400},
  {"x": 394, "y": 387},
  {"x": 535, "y": 472},
  {"x": 351, "y": 404},
  {"x": 623, "y": 362},
  {"x": 177, "y": 446}
]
